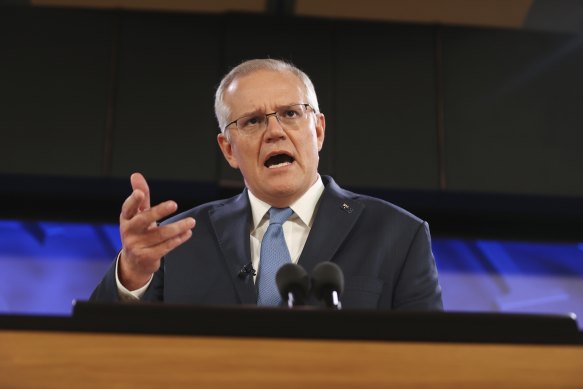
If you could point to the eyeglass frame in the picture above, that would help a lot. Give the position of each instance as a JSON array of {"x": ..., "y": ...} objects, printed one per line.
[{"x": 267, "y": 115}]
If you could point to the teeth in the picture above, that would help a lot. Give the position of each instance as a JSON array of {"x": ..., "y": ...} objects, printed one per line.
[{"x": 279, "y": 165}]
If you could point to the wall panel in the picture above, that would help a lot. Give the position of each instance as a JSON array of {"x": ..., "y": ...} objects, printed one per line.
[
  {"x": 164, "y": 120},
  {"x": 54, "y": 72},
  {"x": 513, "y": 116},
  {"x": 385, "y": 113}
]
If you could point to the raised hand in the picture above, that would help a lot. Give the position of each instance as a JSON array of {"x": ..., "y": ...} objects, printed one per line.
[{"x": 144, "y": 243}]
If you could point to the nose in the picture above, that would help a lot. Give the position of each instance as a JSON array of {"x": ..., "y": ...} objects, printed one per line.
[{"x": 274, "y": 129}]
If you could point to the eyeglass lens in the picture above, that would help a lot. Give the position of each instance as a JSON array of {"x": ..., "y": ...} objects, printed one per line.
[{"x": 290, "y": 116}]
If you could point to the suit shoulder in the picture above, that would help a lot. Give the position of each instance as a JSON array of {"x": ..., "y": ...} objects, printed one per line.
[
  {"x": 373, "y": 207},
  {"x": 377, "y": 207}
]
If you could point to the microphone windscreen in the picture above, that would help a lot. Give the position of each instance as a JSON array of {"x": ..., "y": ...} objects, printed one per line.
[
  {"x": 292, "y": 278},
  {"x": 325, "y": 277}
]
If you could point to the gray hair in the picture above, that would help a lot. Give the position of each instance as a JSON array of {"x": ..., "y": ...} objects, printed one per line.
[{"x": 222, "y": 111}]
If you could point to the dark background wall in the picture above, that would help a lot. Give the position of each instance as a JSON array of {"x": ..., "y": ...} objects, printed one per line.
[
  {"x": 101, "y": 93},
  {"x": 469, "y": 115}
]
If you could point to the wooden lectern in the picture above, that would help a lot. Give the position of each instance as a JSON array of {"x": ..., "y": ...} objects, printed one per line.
[{"x": 161, "y": 346}]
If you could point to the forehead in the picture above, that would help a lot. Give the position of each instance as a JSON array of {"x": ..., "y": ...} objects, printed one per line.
[{"x": 264, "y": 89}]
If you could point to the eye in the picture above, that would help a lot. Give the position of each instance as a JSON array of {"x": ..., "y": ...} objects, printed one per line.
[
  {"x": 291, "y": 113},
  {"x": 250, "y": 121}
]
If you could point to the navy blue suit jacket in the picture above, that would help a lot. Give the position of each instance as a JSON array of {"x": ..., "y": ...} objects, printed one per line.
[{"x": 384, "y": 252}]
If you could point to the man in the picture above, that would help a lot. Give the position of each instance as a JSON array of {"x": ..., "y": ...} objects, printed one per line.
[{"x": 272, "y": 130}]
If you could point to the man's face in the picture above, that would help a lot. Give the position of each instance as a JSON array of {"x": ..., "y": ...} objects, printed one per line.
[{"x": 278, "y": 184}]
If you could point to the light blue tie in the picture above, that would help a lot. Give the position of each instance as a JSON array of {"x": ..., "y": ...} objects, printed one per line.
[{"x": 274, "y": 254}]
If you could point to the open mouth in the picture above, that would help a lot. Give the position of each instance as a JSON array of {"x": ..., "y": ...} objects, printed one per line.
[{"x": 278, "y": 160}]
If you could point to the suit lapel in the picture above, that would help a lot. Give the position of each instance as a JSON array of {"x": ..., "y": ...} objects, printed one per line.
[
  {"x": 231, "y": 221},
  {"x": 337, "y": 213}
]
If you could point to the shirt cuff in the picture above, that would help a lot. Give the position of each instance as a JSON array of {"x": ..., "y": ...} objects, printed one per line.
[{"x": 123, "y": 292}]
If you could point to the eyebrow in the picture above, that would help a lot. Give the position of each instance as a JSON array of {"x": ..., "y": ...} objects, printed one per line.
[{"x": 260, "y": 111}]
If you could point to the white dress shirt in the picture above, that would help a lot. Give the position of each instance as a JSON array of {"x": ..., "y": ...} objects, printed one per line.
[{"x": 295, "y": 230}]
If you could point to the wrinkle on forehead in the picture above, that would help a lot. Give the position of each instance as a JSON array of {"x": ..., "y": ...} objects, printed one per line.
[{"x": 263, "y": 91}]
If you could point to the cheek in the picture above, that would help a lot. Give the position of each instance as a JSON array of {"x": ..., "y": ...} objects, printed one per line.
[
  {"x": 307, "y": 146},
  {"x": 314, "y": 143},
  {"x": 246, "y": 153}
]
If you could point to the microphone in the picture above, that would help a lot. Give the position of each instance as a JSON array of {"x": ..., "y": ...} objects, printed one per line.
[
  {"x": 293, "y": 284},
  {"x": 328, "y": 284},
  {"x": 247, "y": 271}
]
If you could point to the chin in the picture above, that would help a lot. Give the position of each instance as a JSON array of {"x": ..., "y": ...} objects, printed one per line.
[
  {"x": 283, "y": 195},
  {"x": 284, "y": 190}
]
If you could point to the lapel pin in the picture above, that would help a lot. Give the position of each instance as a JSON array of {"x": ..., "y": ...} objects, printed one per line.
[{"x": 346, "y": 208}]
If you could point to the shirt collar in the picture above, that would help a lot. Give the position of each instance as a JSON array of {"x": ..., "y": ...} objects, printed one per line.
[{"x": 304, "y": 207}]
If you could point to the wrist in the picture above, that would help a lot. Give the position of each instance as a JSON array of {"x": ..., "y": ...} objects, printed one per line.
[{"x": 129, "y": 278}]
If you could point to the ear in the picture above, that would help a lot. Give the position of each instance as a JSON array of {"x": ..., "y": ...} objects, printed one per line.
[
  {"x": 227, "y": 149},
  {"x": 320, "y": 130}
]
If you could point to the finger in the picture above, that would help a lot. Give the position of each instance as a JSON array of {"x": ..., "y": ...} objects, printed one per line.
[
  {"x": 170, "y": 231},
  {"x": 139, "y": 182},
  {"x": 135, "y": 242},
  {"x": 131, "y": 205},
  {"x": 163, "y": 248},
  {"x": 146, "y": 219}
]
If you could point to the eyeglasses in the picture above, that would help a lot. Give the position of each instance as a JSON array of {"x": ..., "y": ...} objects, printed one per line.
[{"x": 291, "y": 117}]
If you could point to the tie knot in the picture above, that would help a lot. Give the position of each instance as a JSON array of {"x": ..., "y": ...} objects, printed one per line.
[{"x": 279, "y": 215}]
